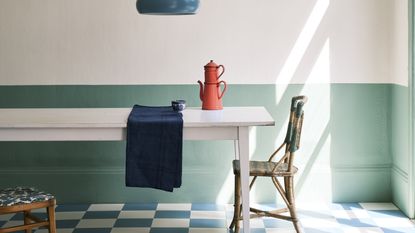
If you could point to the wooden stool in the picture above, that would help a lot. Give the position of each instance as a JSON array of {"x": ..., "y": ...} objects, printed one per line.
[{"x": 14, "y": 200}]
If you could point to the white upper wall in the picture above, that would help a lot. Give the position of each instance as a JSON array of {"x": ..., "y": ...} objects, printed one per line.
[
  {"x": 398, "y": 58},
  {"x": 267, "y": 41}
]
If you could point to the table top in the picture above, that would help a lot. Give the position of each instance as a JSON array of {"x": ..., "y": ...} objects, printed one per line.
[{"x": 117, "y": 117}]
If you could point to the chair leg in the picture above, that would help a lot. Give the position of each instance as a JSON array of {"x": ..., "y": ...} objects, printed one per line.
[
  {"x": 27, "y": 220},
  {"x": 237, "y": 205},
  {"x": 289, "y": 184},
  {"x": 51, "y": 218}
]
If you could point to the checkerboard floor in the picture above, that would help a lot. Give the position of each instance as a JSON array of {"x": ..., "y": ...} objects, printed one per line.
[{"x": 200, "y": 218}]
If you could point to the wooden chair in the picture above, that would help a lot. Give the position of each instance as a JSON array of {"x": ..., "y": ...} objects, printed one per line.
[
  {"x": 14, "y": 200},
  {"x": 283, "y": 168}
]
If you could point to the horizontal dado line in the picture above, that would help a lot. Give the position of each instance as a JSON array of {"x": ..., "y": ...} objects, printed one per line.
[
  {"x": 362, "y": 167},
  {"x": 86, "y": 171},
  {"x": 121, "y": 171},
  {"x": 400, "y": 172}
]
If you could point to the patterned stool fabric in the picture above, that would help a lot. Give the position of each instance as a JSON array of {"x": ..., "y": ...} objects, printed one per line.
[
  {"x": 22, "y": 195},
  {"x": 24, "y": 200}
]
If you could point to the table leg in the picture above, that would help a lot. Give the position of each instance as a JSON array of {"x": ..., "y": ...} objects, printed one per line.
[{"x": 243, "y": 136}]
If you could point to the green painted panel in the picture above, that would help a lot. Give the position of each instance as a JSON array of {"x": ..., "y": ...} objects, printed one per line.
[
  {"x": 346, "y": 128},
  {"x": 399, "y": 140},
  {"x": 359, "y": 185},
  {"x": 359, "y": 124},
  {"x": 400, "y": 191},
  {"x": 399, "y": 124}
]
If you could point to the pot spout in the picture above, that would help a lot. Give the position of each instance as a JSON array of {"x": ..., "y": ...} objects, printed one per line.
[{"x": 201, "y": 90}]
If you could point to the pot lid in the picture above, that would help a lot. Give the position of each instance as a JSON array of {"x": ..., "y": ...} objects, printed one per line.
[{"x": 211, "y": 64}]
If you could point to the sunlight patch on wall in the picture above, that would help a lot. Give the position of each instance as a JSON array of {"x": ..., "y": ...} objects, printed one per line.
[
  {"x": 321, "y": 69},
  {"x": 300, "y": 47},
  {"x": 313, "y": 158}
]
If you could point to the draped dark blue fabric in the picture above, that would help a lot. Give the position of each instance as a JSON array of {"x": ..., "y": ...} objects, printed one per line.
[{"x": 154, "y": 148}]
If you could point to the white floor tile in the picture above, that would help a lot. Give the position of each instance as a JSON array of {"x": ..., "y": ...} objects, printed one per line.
[
  {"x": 256, "y": 223},
  {"x": 280, "y": 230},
  {"x": 229, "y": 207},
  {"x": 96, "y": 223},
  {"x": 172, "y": 206},
  {"x": 207, "y": 215},
  {"x": 41, "y": 210},
  {"x": 378, "y": 206},
  {"x": 105, "y": 207},
  {"x": 319, "y": 223},
  {"x": 208, "y": 230},
  {"x": 362, "y": 230},
  {"x": 12, "y": 224},
  {"x": 6, "y": 217},
  {"x": 58, "y": 230},
  {"x": 158, "y": 222},
  {"x": 137, "y": 214},
  {"x": 69, "y": 215},
  {"x": 130, "y": 230},
  {"x": 393, "y": 222}
]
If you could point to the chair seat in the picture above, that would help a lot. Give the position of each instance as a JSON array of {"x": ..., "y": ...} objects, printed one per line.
[
  {"x": 264, "y": 168},
  {"x": 22, "y": 195}
]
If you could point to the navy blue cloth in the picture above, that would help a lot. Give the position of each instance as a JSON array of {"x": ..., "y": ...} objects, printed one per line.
[{"x": 154, "y": 148}]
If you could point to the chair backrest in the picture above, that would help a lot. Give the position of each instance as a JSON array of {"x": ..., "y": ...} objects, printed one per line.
[
  {"x": 292, "y": 138},
  {"x": 295, "y": 125}
]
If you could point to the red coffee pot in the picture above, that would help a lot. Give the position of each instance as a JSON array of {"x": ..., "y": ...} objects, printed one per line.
[{"x": 210, "y": 94}]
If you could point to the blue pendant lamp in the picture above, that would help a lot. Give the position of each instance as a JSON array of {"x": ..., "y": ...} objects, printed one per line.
[{"x": 167, "y": 7}]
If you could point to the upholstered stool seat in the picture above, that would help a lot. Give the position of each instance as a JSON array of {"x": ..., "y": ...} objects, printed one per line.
[
  {"x": 20, "y": 199},
  {"x": 21, "y": 195}
]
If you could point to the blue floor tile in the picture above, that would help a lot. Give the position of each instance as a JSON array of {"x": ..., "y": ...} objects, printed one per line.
[
  {"x": 276, "y": 223},
  {"x": 142, "y": 222},
  {"x": 67, "y": 223},
  {"x": 172, "y": 214},
  {"x": 72, "y": 207},
  {"x": 92, "y": 230},
  {"x": 101, "y": 214},
  {"x": 207, "y": 223},
  {"x": 357, "y": 222},
  {"x": 169, "y": 230},
  {"x": 139, "y": 206},
  {"x": 19, "y": 216},
  {"x": 346, "y": 206}
]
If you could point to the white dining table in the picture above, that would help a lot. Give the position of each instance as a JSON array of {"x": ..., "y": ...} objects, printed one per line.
[{"x": 109, "y": 124}]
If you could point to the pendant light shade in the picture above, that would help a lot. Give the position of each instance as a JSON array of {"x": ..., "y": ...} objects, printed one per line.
[{"x": 167, "y": 7}]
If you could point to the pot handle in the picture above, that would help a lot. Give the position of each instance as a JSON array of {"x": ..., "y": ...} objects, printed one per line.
[
  {"x": 224, "y": 89},
  {"x": 223, "y": 71}
]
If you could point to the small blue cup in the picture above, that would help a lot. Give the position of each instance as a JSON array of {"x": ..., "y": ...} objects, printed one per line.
[{"x": 178, "y": 105}]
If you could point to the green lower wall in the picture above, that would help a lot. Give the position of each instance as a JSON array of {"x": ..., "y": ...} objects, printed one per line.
[
  {"x": 400, "y": 135},
  {"x": 345, "y": 149}
]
